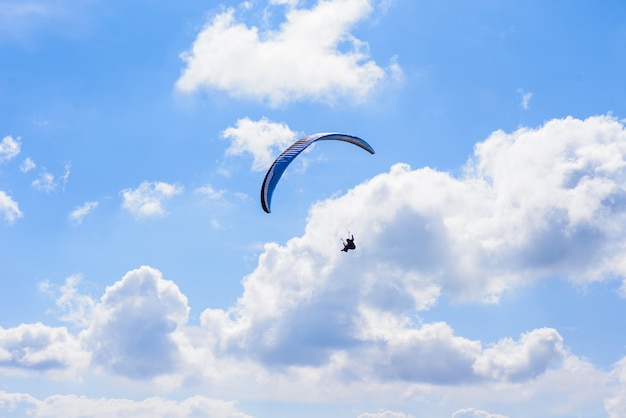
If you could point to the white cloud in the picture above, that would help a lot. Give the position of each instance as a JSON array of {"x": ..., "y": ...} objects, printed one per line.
[
  {"x": 210, "y": 192},
  {"x": 45, "y": 182},
  {"x": 312, "y": 56},
  {"x": 526, "y": 96},
  {"x": 475, "y": 413},
  {"x": 72, "y": 406},
  {"x": 9, "y": 208},
  {"x": 528, "y": 358},
  {"x": 78, "y": 214},
  {"x": 263, "y": 139},
  {"x": 40, "y": 348},
  {"x": 147, "y": 199},
  {"x": 615, "y": 405},
  {"x": 133, "y": 325},
  {"x": 9, "y": 148},
  {"x": 316, "y": 349},
  {"x": 73, "y": 306},
  {"x": 27, "y": 165},
  {"x": 536, "y": 203},
  {"x": 433, "y": 354},
  {"x": 384, "y": 414},
  {"x": 290, "y": 3},
  {"x": 66, "y": 174}
]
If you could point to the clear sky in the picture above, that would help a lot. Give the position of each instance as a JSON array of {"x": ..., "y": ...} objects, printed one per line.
[{"x": 139, "y": 275}]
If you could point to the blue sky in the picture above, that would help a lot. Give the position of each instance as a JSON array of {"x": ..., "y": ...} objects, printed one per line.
[{"x": 140, "y": 277}]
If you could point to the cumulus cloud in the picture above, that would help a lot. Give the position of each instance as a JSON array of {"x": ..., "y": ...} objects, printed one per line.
[
  {"x": 9, "y": 148},
  {"x": 532, "y": 204},
  {"x": 312, "y": 56},
  {"x": 71, "y": 406},
  {"x": 133, "y": 325},
  {"x": 9, "y": 209},
  {"x": 510, "y": 360},
  {"x": 262, "y": 139},
  {"x": 78, "y": 214},
  {"x": 139, "y": 329},
  {"x": 433, "y": 354},
  {"x": 40, "y": 348},
  {"x": 147, "y": 199}
]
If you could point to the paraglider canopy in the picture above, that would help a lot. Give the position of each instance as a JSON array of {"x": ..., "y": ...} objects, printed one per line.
[{"x": 287, "y": 156}]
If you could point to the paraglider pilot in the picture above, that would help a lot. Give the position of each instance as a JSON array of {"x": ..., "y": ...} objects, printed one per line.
[{"x": 348, "y": 245}]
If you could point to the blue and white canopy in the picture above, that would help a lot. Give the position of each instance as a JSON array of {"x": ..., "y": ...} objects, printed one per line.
[{"x": 286, "y": 157}]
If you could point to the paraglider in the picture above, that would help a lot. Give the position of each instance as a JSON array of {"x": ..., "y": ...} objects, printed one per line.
[
  {"x": 287, "y": 156},
  {"x": 350, "y": 245}
]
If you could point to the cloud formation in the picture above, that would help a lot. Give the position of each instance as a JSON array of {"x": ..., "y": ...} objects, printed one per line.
[
  {"x": 139, "y": 330},
  {"x": 78, "y": 214},
  {"x": 475, "y": 413},
  {"x": 263, "y": 139},
  {"x": 385, "y": 414},
  {"x": 147, "y": 199},
  {"x": 72, "y": 406},
  {"x": 526, "y": 96},
  {"x": 522, "y": 360},
  {"x": 532, "y": 204},
  {"x": 312, "y": 56},
  {"x": 133, "y": 326},
  {"x": 40, "y": 348},
  {"x": 47, "y": 182},
  {"x": 9, "y": 148},
  {"x": 9, "y": 209},
  {"x": 27, "y": 165}
]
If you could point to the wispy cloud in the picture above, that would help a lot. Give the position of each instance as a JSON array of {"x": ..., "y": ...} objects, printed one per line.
[
  {"x": 78, "y": 214},
  {"x": 19, "y": 19},
  {"x": 10, "y": 9},
  {"x": 66, "y": 174},
  {"x": 73, "y": 306},
  {"x": 526, "y": 96},
  {"x": 210, "y": 192},
  {"x": 48, "y": 182}
]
